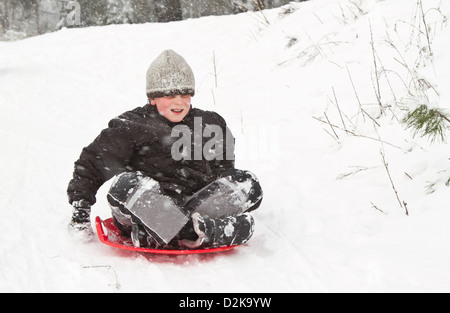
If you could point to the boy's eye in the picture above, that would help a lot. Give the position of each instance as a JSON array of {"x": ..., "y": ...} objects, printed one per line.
[{"x": 174, "y": 96}]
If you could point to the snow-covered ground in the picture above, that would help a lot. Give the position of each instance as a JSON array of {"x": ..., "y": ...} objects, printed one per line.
[{"x": 330, "y": 220}]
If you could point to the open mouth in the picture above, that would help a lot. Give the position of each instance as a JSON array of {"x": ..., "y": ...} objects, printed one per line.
[{"x": 177, "y": 111}]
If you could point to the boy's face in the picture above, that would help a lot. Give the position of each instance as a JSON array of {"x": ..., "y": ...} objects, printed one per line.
[{"x": 174, "y": 108}]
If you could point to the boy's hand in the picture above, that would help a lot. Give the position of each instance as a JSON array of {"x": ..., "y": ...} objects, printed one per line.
[{"x": 80, "y": 225}]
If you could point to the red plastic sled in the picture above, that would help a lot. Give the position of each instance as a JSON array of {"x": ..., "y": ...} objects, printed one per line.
[{"x": 112, "y": 238}]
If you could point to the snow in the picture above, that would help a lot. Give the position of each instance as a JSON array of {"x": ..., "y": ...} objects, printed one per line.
[{"x": 330, "y": 220}]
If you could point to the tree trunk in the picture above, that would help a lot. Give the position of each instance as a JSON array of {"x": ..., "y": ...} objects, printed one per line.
[
  {"x": 12, "y": 20},
  {"x": 37, "y": 16},
  {"x": 169, "y": 10},
  {"x": 4, "y": 18}
]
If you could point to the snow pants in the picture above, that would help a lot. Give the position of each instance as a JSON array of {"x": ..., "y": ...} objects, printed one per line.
[{"x": 136, "y": 198}]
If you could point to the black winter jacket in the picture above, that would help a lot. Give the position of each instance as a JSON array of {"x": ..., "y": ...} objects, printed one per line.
[{"x": 140, "y": 140}]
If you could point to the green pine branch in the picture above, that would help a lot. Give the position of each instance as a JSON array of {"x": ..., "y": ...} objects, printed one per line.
[{"x": 431, "y": 123}]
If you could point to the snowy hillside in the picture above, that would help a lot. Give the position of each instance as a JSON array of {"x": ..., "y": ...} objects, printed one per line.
[{"x": 330, "y": 220}]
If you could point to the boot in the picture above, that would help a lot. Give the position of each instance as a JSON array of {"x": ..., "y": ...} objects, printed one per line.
[
  {"x": 138, "y": 236},
  {"x": 141, "y": 238},
  {"x": 228, "y": 231}
]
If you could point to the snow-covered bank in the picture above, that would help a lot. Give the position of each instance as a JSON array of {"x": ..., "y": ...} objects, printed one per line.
[{"x": 330, "y": 220}]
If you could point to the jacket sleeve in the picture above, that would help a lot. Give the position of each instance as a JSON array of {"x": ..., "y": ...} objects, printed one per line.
[{"x": 108, "y": 155}]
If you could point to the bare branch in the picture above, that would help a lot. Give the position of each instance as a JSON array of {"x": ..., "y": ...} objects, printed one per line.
[
  {"x": 339, "y": 109},
  {"x": 376, "y": 208},
  {"x": 331, "y": 126},
  {"x": 357, "y": 135},
  {"x": 402, "y": 205}
]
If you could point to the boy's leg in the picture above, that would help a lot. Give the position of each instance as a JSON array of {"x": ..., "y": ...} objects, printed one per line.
[
  {"x": 234, "y": 193},
  {"x": 117, "y": 197},
  {"x": 137, "y": 199},
  {"x": 220, "y": 232},
  {"x": 220, "y": 211}
]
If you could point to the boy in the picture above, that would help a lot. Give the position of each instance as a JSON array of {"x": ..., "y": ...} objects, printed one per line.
[{"x": 168, "y": 191}]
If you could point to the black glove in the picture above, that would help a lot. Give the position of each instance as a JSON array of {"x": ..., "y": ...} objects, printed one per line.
[{"x": 80, "y": 225}]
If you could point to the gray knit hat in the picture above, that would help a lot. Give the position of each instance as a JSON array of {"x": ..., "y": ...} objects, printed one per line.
[{"x": 169, "y": 74}]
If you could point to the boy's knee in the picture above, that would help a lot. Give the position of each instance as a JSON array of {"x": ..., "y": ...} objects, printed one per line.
[
  {"x": 122, "y": 184},
  {"x": 248, "y": 183}
]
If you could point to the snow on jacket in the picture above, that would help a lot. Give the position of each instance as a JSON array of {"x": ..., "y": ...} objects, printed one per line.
[{"x": 141, "y": 140}]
